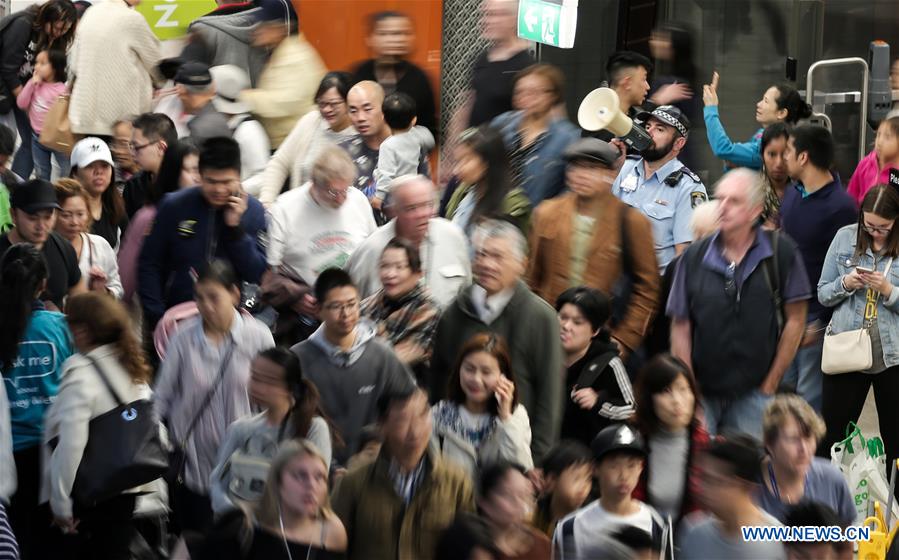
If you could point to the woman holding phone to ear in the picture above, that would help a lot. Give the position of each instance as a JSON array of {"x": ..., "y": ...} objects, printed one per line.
[
  {"x": 860, "y": 280},
  {"x": 481, "y": 421}
]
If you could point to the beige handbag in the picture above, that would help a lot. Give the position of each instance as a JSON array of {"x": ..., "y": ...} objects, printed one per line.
[
  {"x": 57, "y": 132},
  {"x": 851, "y": 350}
]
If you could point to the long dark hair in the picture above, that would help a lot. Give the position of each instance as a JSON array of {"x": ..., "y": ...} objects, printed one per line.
[
  {"x": 23, "y": 271},
  {"x": 788, "y": 98},
  {"x": 169, "y": 176},
  {"x": 307, "y": 400},
  {"x": 52, "y": 12},
  {"x": 654, "y": 378},
  {"x": 883, "y": 201},
  {"x": 108, "y": 322},
  {"x": 111, "y": 200},
  {"x": 496, "y": 347},
  {"x": 487, "y": 143}
]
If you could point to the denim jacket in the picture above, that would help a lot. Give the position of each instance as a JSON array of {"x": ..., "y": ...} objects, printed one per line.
[
  {"x": 850, "y": 305},
  {"x": 544, "y": 172}
]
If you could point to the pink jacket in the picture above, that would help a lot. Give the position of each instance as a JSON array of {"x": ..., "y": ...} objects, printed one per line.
[
  {"x": 37, "y": 100},
  {"x": 867, "y": 174},
  {"x": 129, "y": 251}
]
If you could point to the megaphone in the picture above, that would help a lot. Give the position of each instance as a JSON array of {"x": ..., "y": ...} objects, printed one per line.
[{"x": 601, "y": 110}]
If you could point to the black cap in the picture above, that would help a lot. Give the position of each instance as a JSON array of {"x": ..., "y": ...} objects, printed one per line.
[
  {"x": 33, "y": 196},
  {"x": 617, "y": 437},
  {"x": 193, "y": 74},
  {"x": 667, "y": 114},
  {"x": 591, "y": 149}
]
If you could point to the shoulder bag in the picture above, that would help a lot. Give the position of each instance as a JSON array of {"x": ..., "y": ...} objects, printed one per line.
[
  {"x": 124, "y": 449},
  {"x": 851, "y": 350},
  {"x": 57, "y": 132}
]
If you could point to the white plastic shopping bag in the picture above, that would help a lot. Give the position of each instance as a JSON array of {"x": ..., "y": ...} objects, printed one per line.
[{"x": 863, "y": 463}]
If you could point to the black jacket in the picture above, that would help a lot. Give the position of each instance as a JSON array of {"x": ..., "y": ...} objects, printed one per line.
[
  {"x": 616, "y": 397},
  {"x": 15, "y": 34}
]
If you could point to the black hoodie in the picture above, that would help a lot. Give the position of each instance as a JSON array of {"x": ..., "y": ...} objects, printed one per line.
[{"x": 616, "y": 397}]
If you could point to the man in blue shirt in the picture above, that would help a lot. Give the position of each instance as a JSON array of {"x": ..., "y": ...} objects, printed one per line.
[
  {"x": 814, "y": 208},
  {"x": 659, "y": 186}
]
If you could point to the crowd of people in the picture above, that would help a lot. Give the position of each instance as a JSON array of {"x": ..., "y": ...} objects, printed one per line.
[{"x": 561, "y": 350}]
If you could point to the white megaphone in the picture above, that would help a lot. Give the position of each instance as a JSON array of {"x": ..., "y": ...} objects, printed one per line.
[{"x": 601, "y": 110}]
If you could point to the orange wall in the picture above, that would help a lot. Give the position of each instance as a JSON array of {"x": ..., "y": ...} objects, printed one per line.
[{"x": 338, "y": 28}]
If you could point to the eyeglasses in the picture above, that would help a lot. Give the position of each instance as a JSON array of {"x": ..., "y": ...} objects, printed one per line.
[
  {"x": 881, "y": 230},
  {"x": 322, "y": 105},
  {"x": 341, "y": 308},
  {"x": 337, "y": 194},
  {"x": 730, "y": 280},
  {"x": 135, "y": 148}
]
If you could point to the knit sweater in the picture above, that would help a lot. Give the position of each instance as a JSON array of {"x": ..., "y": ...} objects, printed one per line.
[{"x": 113, "y": 65}]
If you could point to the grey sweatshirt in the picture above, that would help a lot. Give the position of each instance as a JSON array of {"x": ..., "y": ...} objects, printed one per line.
[
  {"x": 401, "y": 154},
  {"x": 351, "y": 382}
]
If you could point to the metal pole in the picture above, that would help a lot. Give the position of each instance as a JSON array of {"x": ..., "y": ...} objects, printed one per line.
[{"x": 863, "y": 121}]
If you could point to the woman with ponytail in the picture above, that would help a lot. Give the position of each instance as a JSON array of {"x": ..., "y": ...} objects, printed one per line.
[
  {"x": 34, "y": 343},
  {"x": 109, "y": 359},
  {"x": 290, "y": 404}
]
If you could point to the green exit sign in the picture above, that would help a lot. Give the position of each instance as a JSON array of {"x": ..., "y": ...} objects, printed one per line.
[{"x": 551, "y": 22}]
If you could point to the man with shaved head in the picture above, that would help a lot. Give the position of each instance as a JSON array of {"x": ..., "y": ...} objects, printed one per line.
[
  {"x": 441, "y": 244},
  {"x": 364, "y": 102}
]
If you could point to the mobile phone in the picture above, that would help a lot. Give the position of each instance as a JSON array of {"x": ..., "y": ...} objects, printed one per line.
[{"x": 863, "y": 270}]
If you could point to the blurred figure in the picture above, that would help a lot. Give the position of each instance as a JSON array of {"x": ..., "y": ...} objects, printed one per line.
[
  {"x": 481, "y": 421},
  {"x": 403, "y": 312},
  {"x": 627, "y": 73},
  {"x": 567, "y": 483},
  {"x": 254, "y": 146},
  {"x": 178, "y": 170},
  {"x": 780, "y": 103},
  {"x": 486, "y": 190},
  {"x": 730, "y": 473},
  {"x": 8, "y": 179},
  {"x": 209, "y": 356},
  {"x": 571, "y": 246},
  {"x": 391, "y": 38},
  {"x": 466, "y": 539},
  {"x": 349, "y": 366},
  {"x": 597, "y": 388},
  {"x": 113, "y": 67},
  {"x": 291, "y": 166},
  {"x": 535, "y": 133},
  {"x": 285, "y": 89},
  {"x": 197, "y": 91},
  {"x": 774, "y": 172},
  {"x": 225, "y": 36},
  {"x": 397, "y": 506},
  {"x": 293, "y": 519},
  {"x": 34, "y": 343},
  {"x": 34, "y": 211},
  {"x": 152, "y": 134},
  {"x": 501, "y": 303},
  {"x": 25, "y": 33},
  {"x": 96, "y": 259},
  {"x": 709, "y": 327},
  {"x": 290, "y": 410},
  {"x": 92, "y": 166},
  {"x": 125, "y": 166},
  {"x": 876, "y": 167},
  {"x": 445, "y": 257},
  {"x": 669, "y": 417},
  {"x": 403, "y": 152},
  {"x": 813, "y": 210},
  {"x": 108, "y": 370},
  {"x": 506, "y": 501},
  {"x": 808, "y": 514},
  {"x": 791, "y": 473}
]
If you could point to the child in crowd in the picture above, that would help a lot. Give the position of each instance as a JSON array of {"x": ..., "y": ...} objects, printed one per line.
[
  {"x": 619, "y": 453},
  {"x": 37, "y": 97},
  {"x": 875, "y": 168},
  {"x": 401, "y": 153},
  {"x": 8, "y": 179},
  {"x": 481, "y": 421},
  {"x": 567, "y": 483}
]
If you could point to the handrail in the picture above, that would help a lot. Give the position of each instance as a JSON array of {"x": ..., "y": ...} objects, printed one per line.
[{"x": 863, "y": 121}]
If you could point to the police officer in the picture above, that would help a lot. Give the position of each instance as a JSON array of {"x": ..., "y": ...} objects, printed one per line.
[{"x": 660, "y": 186}]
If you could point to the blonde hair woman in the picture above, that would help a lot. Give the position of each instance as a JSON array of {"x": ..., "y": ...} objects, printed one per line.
[{"x": 292, "y": 521}]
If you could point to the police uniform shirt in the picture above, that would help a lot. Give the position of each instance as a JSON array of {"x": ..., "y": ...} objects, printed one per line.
[{"x": 669, "y": 208}]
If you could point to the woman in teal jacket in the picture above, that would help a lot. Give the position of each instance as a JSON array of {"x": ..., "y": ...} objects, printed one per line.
[
  {"x": 34, "y": 343},
  {"x": 780, "y": 103}
]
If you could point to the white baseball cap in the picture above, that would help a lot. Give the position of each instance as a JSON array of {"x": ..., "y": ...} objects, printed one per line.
[
  {"x": 229, "y": 81},
  {"x": 89, "y": 150}
]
